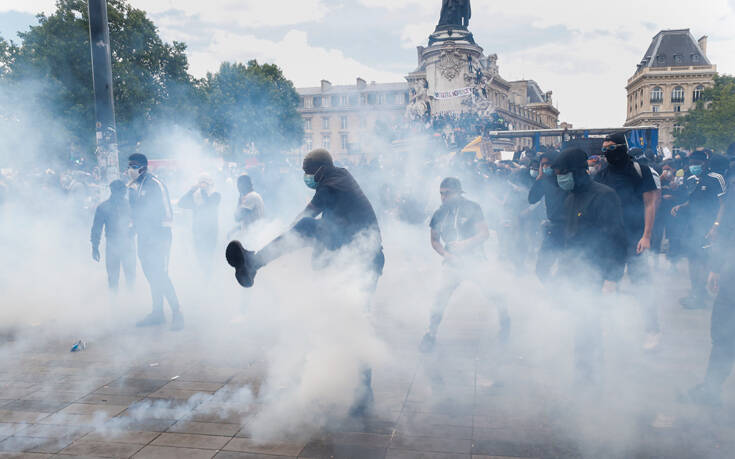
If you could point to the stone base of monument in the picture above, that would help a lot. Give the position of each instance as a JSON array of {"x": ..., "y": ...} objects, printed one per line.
[{"x": 448, "y": 69}]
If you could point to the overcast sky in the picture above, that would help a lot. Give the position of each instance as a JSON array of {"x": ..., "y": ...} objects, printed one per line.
[{"x": 582, "y": 50}]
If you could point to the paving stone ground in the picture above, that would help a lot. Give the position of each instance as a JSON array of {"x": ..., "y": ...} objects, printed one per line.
[{"x": 470, "y": 399}]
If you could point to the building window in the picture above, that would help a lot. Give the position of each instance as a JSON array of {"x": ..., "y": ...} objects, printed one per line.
[
  {"x": 316, "y": 101},
  {"x": 335, "y": 101},
  {"x": 657, "y": 95},
  {"x": 343, "y": 122},
  {"x": 325, "y": 123},
  {"x": 695, "y": 58},
  {"x": 307, "y": 124},
  {"x": 307, "y": 102},
  {"x": 678, "y": 94},
  {"x": 363, "y": 99},
  {"x": 380, "y": 99},
  {"x": 326, "y": 141},
  {"x": 661, "y": 59},
  {"x": 677, "y": 59},
  {"x": 309, "y": 144},
  {"x": 371, "y": 98},
  {"x": 344, "y": 141},
  {"x": 677, "y": 128},
  {"x": 325, "y": 101},
  {"x": 698, "y": 91},
  {"x": 353, "y": 99},
  {"x": 677, "y": 108},
  {"x": 656, "y": 108},
  {"x": 399, "y": 98},
  {"x": 344, "y": 100}
]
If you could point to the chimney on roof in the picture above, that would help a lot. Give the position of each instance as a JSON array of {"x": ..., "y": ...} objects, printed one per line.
[
  {"x": 703, "y": 44},
  {"x": 361, "y": 83},
  {"x": 326, "y": 85}
]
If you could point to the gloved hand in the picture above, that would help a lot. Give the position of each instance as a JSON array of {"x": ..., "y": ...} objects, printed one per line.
[{"x": 96, "y": 253}]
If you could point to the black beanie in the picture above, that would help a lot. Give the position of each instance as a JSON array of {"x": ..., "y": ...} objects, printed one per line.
[
  {"x": 138, "y": 159},
  {"x": 316, "y": 159},
  {"x": 117, "y": 186},
  {"x": 571, "y": 159}
]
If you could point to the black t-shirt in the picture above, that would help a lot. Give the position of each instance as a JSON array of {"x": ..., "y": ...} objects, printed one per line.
[
  {"x": 630, "y": 182},
  {"x": 457, "y": 220},
  {"x": 343, "y": 205},
  {"x": 704, "y": 200}
]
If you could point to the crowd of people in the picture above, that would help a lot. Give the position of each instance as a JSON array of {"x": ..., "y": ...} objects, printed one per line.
[{"x": 557, "y": 212}]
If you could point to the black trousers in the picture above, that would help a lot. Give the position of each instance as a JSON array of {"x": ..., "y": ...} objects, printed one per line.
[
  {"x": 551, "y": 249},
  {"x": 722, "y": 330},
  {"x": 117, "y": 254},
  {"x": 154, "y": 248}
]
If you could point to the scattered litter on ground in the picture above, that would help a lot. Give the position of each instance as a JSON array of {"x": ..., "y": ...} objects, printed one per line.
[{"x": 79, "y": 346}]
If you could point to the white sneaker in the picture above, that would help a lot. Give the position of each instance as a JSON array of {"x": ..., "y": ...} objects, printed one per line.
[{"x": 652, "y": 341}]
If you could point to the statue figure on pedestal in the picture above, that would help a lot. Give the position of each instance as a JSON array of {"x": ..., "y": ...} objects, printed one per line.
[{"x": 455, "y": 13}]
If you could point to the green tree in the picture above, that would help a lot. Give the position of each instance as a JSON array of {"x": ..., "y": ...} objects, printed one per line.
[
  {"x": 251, "y": 104},
  {"x": 150, "y": 77},
  {"x": 712, "y": 122}
]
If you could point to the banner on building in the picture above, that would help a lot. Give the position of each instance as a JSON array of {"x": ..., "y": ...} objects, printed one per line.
[{"x": 454, "y": 93}]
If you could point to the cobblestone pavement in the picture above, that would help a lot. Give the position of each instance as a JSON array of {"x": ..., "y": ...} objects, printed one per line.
[{"x": 470, "y": 398}]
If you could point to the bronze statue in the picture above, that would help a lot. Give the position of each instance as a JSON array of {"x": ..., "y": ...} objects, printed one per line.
[{"x": 455, "y": 13}]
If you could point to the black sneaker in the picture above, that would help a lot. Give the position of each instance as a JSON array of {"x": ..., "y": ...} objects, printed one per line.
[
  {"x": 427, "y": 343},
  {"x": 177, "y": 321},
  {"x": 151, "y": 320},
  {"x": 242, "y": 261}
]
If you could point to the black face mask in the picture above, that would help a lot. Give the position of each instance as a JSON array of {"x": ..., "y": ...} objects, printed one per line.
[{"x": 617, "y": 157}]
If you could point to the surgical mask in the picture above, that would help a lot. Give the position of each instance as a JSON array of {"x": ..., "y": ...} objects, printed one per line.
[
  {"x": 548, "y": 171},
  {"x": 696, "y": 169},
  {"x": 534, "y": 173},
  {"x": 565, "y": 181},
  {"x": 309, "y": 181}
]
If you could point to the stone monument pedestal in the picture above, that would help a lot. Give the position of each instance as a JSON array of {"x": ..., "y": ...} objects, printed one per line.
[{"x": 451, "y": 74}]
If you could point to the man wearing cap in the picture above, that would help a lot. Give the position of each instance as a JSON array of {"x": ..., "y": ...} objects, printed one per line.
[
  {"x": 595, "y": 249},
  {"x": 639, "y": 196},
  {"x": 702, "y": 210},
  {"x": 346, "y": 216},
  {"x": 458, "y": 232},
  {"x": 545, "y": 187},
  {"x": 114, "y": 216},
  {"x": 152, "y": 217}
]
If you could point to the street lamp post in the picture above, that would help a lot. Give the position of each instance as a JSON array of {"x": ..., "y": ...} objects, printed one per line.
[{"x": 104, "y": 107}]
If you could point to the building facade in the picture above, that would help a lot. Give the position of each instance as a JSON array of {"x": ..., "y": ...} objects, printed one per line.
[
  {"x": 668, "y": 82},
  {"x": 343, "y": 118}
]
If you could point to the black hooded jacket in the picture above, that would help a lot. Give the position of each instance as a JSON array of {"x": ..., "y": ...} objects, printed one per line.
[{"x": 595, "y": 234}]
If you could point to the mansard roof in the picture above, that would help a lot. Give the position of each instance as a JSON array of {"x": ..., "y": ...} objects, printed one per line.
[{"x": 673, "y": 48}]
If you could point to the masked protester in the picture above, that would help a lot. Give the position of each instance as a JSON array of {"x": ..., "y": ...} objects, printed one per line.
[
  {"x": 640, "y": 198},
  {"x": 346, "y": 215},
  {"x": 204, "y": 203},
  {"x": 546, "y": 188},
  {"x": 594, "y": 248},
  {"x": 114, "y": 217},
  {"x": 458, "y": 232},
  {"x": 721, "y": 281},
  {"x": 152, "y": 217},
  {"x": 701, "y": 211}
]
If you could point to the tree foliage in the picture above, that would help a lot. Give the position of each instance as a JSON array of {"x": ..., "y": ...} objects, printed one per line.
[
  {"x": 251, "y": 104},
  {"x": 711, "y": 123}
]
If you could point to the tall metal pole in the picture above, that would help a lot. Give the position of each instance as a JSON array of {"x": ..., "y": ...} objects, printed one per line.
[{"x": 104, "y": 107}]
